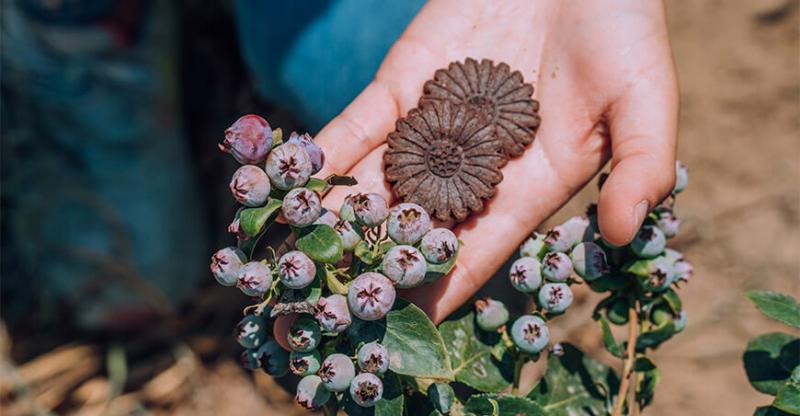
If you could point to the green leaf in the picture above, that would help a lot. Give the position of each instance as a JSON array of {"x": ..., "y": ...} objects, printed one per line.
[
  {"x": 788, "y": 398},
  {"x": 782, "y": 308},
  {"x": 322, "y": 244},
  {"x": 331, "y": 281},
  {"x": 574, "y": 384},
  {"x": 390, "y": 405},
  {"x": 650, "y": 377},
  {"x": 254, "y": 220},
  {"x": 655, "y": 336},
  {"x": 313, "y": 291},
  {"x": 769, "y": 411},
  {"x": 436, "y": 271},
  {"x": 415, "y": 346},
  {"x": 364, "y": 252},
  {"x": 609, "y": 282},
  {"x": 470, "y": 351},
  {"x": 317, "y": 185},
  {"x": 503, "y": 405},
  {"x": 769, "y": 360},
  {"x": 609, "y": 341},
  {"x": 673, "y": 301},
  {"x": 324, "y": 185}
]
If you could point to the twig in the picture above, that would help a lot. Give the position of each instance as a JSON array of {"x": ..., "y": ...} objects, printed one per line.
[{"x": 630, "y": 358}]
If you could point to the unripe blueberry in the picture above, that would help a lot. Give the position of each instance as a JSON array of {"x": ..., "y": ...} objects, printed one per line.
[
  {"x": 660, "y": 274},
  {"x": 248, "y": 140},
  {"x": 407, "y": 223},
  {"x": 556, "y": 266},
  {"x": 661, "y": 315},
  {"x": 370, "y": 296},
  {"x": 530, "y": 333},
  {"x": 311, "y": 393},
  {"x": 273, "y": 359},
  {"x": 404, "y": 266},
  {"x": 490, "y": 314},
  {"x": 439, "y": 245},
  {"x": 304, "y": 363},
  {"x": 366, "y": 389},
  {"x": 250, "y": 186},
  {"x": 255, "y": 279},
  {"x": 373, "y": 357},
  {"x": 534, "y": 246},
  {"x": 289, "y": 166},
  {"x": 327, "y": 218},
  {"x": 333, "y": 314},
  {"x": 526, "y": 274},
  {"x": 337, "y": 372},
  {"x": 681, "y": 177},
  {"x": 668, "y": 223},
  {"x": 249, "y": 359},
  {"x": 251, "y": 331},
  {"x": 301, "y": 207},
  {"x": 369, "y": 210},
  {"x": 683, "y": 270},
  {"x": 589, "y": 261},
  {"x": 441, "y": 396},
  {"x": 649, "y": 242},
  {"x": 555, "y": 297},
  {"x": 225, "y": 265},
  {"x": 304, "y": 334},
  {"x": 314, "y": 152},
  {"x": 573, "y": 231},
  {"x": 350, "y": 236},
  {"x": 296, "y": 270}
]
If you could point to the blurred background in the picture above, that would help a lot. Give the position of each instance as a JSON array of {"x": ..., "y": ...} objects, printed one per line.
[{"x": 114, "y": 194}]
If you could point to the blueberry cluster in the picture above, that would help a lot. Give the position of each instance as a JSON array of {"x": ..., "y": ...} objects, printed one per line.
[
  {"x": 571, "y": 253},
  {"x": 376, "y": 250}
]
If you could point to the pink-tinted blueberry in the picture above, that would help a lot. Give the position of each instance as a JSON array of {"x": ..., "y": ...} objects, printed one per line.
[
  {"x": 526, "y": 274},
  {"x": 248, "y": 140},
  {"x": 225, "y": 265},
  {"x": 296, "y": 270},
  {"x": 255, "y": 279},
  {"x": 366, "y": 389},
  {"x": 369, "y": 210},
  {"x": 333, "y": 314},
  {"x": 311, "y": 393},
  {"x": 373, "y": 357},
  {"x": 350, "y": 235},
  {"x": 405, "y": 266},
  {"x": 439, "y": 245},
  {"x": 337, "y": 372},
  {"x": 556, "y": 266},
  {"x": 407, "y": 223},
  {"x": 301, "y": 207},
  {"x": 250, "y": 186},
  {"x": 314, "y": 152},
  {"x": 370, "y": 296},
  {"x": 288, "y": 166}
]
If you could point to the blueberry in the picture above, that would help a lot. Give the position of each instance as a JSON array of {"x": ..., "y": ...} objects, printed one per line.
[
  {"x": 373, "y": 357},
  {"x": 660, "y": 274},
  {"x": 255, "y": 279},
  {"x": 304, "y": 363},
  {"x": 649, "y": 242},
  {"x": 250, "y": 186},
  {"x": 251, "y": 331},
  {"x": 337, "y": 372},
  {"x": 296, "y": 270},
  {"x": 589, "y": 261},
  {"x": 441, "y": 396},
  {"x": 404, "y": 266},
  {"x": 407, "y": 223},
  {"x": 681, "y": 177},
  {"x": 490, "y": 314},
  {"x": 301, "y": 207},
  {"x": 366, "y": 389},
  {"x": 555, "y": 297},
  {"x": 573, "y": 231},
  {"x": 660, "y": 316},
  {"x": 526, "y": 274},
  {"x": 327, "y": 218},
  {"x": 225, "y": 265},
  {"x": 333, "y": 314},
  {"x": 530, "y": 333},
  {"x": 249, "y": 359},
  {"x": 556, "y": 266},
  {"x": 534, "y": 246},
  {"x": 369, "y": 210},
  {"x": 311, "y": 393},
  {"x": 439, "y": 245},
  {"x": 370, "y": 296},
  {"x": 314, "y": 152},
  {"x": 683, "y": 270},
  {"x": 668, "y": 223},
  {"x": 350, "y": 235},
  {"x": 289, "y": 166},
  {"x": 248, "y": 140},
  {"x": 304, "y": 334},
  {"x": 273, "y": 359}
]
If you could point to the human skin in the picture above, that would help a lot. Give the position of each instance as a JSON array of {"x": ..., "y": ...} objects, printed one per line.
[{"x": 604, "y": 76}]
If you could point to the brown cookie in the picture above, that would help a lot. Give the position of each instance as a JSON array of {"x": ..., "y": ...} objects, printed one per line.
[
  {"x": 445, "y": 158},
  {"x": 494, "y": 91}
]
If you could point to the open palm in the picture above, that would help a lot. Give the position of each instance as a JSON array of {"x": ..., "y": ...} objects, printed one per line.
[{"x": 604, "y": 76}]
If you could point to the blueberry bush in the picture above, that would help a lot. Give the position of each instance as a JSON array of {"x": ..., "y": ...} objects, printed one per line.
[
  {"x": 358, "y": 347},
  {"x": 772, "y": 361}
]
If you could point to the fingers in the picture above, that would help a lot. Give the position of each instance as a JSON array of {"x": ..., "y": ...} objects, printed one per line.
[
  {"x": 643, "y": 126},
  {"x": 369, "y": 173}
]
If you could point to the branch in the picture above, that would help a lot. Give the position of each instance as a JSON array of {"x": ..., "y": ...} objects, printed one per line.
[{"x": 630, "y": 358}]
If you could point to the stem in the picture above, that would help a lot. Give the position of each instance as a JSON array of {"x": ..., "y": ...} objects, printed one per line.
[
  {"x": 517, "y": 372},
  {"x": 630, "y": 358}
]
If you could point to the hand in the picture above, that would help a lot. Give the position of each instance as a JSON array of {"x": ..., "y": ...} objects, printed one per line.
[{"x": 605, "y": 80}]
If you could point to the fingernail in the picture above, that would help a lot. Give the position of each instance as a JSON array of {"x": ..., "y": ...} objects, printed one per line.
[{"x": 639, "y": 212}]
